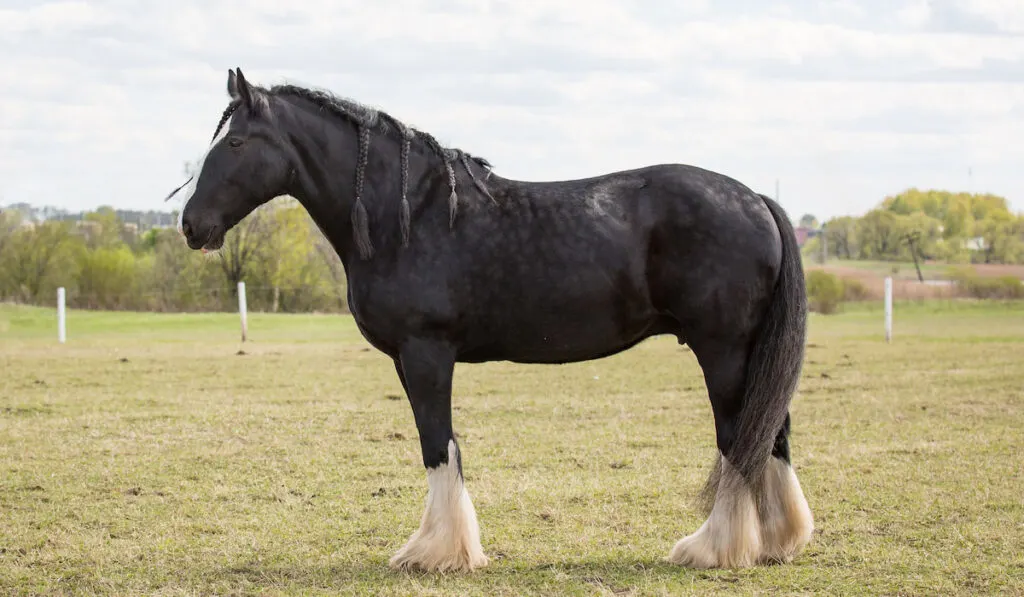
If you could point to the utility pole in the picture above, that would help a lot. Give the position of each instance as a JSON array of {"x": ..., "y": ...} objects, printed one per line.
[
  {"x": 911, "y": 239},
  {"x": 824, "y": 245}
]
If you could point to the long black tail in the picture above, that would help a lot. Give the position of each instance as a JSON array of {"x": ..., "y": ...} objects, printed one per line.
[{"x": 775, "y": 361}]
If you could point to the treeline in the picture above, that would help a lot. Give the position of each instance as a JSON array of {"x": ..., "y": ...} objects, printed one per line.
[
  {"x": 956, "y": 228},
  {"x": 286, "y": 263},
  {"x": 106, "y": 263},
  {"x": 139, "y": 219}
]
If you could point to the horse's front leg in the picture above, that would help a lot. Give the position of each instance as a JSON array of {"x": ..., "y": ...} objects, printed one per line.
[{"x": 448, "y": 538}]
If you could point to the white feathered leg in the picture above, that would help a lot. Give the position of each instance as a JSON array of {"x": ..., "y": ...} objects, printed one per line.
[
  {"x": 786, "y": 520},
  {"x": 731, "y": 535},
  {"x": 449, "y": 537}
]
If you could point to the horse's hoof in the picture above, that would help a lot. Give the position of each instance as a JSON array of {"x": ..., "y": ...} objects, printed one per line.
[{"x": 424, "y": 558}]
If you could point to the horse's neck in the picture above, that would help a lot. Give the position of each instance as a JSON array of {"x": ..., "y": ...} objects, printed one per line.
[{"x": 330, "y": 197}]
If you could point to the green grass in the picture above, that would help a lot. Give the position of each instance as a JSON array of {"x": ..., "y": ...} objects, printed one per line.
[{"x": 147, "y": 456}]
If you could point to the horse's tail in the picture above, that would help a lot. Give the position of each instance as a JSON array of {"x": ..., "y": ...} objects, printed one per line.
[{"x": 775, "y": 361}]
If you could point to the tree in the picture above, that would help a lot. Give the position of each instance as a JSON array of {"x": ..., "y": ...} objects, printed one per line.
[
  {"x": 880, "y": 234},
  {"x": 841, "y": 234},
  {"x": 332, "y": 262},
  {"x": 243, "y": 245},
  {"x": 983, "y": 206},
  {"x": 809, "y": 221},
  {"x": 10, "y": 221},
  {"x": 180, "y": 280},
  {"x": 290, "y": 241},
  {"x": 1001, "y": 234},
  {"x": 107, "y": 278},
  {"x": 103, "y": 229},
  {"x": 39, "y": 259},
  {"x": 958, "y": 221}
]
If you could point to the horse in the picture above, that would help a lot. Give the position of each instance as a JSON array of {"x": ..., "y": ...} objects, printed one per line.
[{"x": 447, "y": 262}]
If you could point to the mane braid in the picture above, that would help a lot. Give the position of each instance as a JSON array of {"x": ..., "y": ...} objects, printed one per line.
[
  {"x": 360, "y": 221},
  {"x": 405, "y": 216},
  {"x": 476, "y": 181},
  {"x": 224, "y": 117},
  {"x": 366, "y": 119},
  {"x": 453, "y": 199}
]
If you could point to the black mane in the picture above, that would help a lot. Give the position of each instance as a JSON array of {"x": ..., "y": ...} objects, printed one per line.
[
  {"x": 374, "y": 119},
  {"x": 369, "y": 119}
]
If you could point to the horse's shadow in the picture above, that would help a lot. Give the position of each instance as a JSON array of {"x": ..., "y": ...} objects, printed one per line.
[{"x": 615, "y": 574}]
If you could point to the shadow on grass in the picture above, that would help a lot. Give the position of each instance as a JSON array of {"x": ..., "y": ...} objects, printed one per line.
[{"x": 619, "y": 575}]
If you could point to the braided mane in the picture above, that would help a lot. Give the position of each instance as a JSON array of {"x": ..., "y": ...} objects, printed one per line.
[
  {"x": 367, "y": 120},
  {"x": 224, "y": 117}
]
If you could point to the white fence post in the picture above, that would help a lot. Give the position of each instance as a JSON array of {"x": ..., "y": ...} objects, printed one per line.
[
  {"x": 242, "y": 309},
  {"x": 62, "y": 331},
  {"x": 888, "y": 309}
]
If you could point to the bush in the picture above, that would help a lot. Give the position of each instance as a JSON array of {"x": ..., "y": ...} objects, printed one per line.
[
  {"x": 824, "y": 291},
  {"x": 979, "y": 287},
  {"x": 855, "y": 290}
]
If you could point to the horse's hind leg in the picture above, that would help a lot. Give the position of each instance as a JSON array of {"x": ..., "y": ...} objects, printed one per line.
[
  {"x": 731, "y": 535},
  {"x": 748, "y": 523},
  {"x": 786, "y": 521}
]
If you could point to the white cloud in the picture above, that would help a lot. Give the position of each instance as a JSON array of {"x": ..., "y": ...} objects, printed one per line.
[
  {"x": 1007, "y": 15},
  {"x": 53, "y": 17},
  {"x": 845, "y": 102}
]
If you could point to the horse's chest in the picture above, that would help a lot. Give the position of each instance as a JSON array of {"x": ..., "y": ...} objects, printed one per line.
[
  {"x": 372, "y": 317},
  {"x": 387, "y": 314}
]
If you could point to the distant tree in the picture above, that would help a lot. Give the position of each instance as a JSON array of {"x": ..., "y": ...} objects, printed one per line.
[
  {"x": 103, "y": 228},
  {"x": 178, "y": 279},
  {"x": 10, "y": 221},
  {"x": 244, "y": 244},
  {"x": 958, "y": 221},
  {"x": 39, "y": 259},
  {"x": 880, "y": 234},
  {"x": 1002, "y": 237},
  {"x": 926, "y": 232},
  {"x": 107, "y": 278},
  {"x": 291, "y": 243},
  {"x": 809, "y": 221},
  {"x": 841, "y": 234}
]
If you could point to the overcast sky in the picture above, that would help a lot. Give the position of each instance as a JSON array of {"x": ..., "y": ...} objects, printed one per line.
[{"x": 843, "y": 102}]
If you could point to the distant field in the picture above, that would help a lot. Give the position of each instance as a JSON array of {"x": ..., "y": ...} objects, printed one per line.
[
  {"x": 905, "y": 270},
  {"x": 906, "y": 286},
  {"x": 155, "y": 454}
]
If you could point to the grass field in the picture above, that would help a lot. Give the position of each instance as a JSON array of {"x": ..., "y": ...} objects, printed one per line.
[{"x": 155, "y": 454}]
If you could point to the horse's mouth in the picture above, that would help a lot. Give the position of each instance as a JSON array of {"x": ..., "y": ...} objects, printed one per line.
[{"x": 215, "y": 240}]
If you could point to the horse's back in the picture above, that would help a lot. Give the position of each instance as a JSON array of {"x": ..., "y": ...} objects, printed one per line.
[
  {"x": 690, "y": 237},
  {"x": 581, "y": 268}
]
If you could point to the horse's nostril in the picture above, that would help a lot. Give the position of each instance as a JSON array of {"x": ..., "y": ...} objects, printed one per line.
[{"x": 186, "y": 230}]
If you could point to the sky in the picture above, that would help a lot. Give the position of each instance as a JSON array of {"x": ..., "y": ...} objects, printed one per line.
[{"x": 841, "y": 102}]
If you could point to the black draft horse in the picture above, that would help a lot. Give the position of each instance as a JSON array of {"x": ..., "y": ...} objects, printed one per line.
[{"x": 447, "y": 262}]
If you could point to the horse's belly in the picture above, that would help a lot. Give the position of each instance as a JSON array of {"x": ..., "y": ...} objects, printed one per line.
[{"x": 556, "y": 335}]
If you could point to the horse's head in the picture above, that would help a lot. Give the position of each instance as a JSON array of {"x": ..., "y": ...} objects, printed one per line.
[{"x": 246, "y": 165}]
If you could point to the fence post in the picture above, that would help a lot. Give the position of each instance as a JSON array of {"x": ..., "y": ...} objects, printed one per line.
[
  {"x": 61, "y": 316},
  {"x": 888, "y": 309},
  {"x": 242, "y": 309}
]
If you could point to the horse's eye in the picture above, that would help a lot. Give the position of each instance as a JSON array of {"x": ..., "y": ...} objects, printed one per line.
[{"x": 235, "y": 142}]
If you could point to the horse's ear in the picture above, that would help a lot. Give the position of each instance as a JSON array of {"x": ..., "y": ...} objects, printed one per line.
[
  {"x": 232, "y": 85},
  {"x": 238, "y": 87}
]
